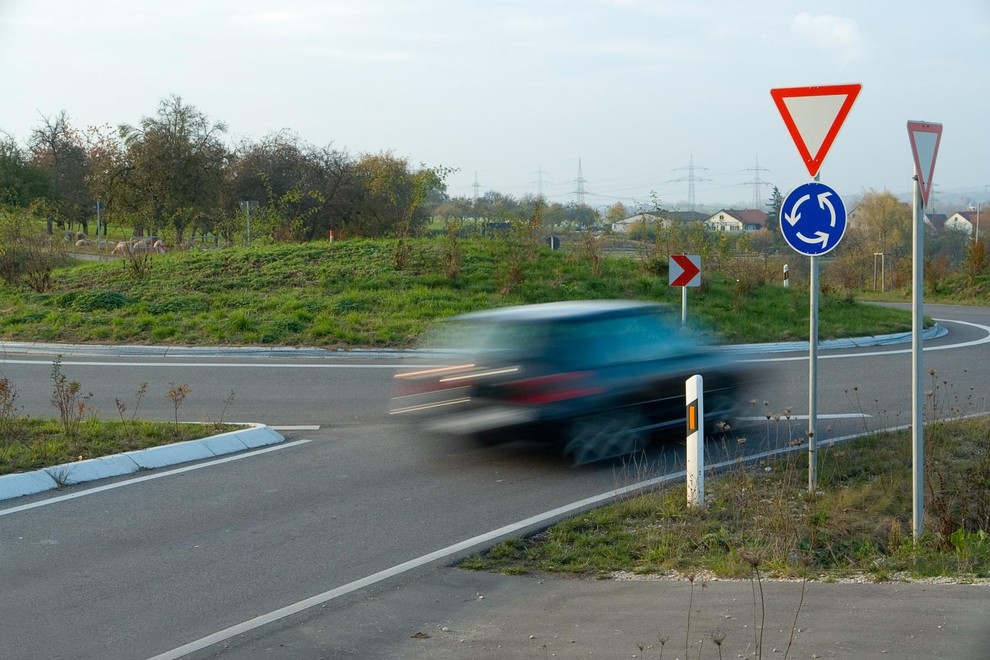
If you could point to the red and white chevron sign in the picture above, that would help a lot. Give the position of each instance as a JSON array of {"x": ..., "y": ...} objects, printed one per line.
[{"x": 685, "y": 270}]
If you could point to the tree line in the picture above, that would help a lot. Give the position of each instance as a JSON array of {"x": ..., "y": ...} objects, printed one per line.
[{"x": 173, "y": 174}]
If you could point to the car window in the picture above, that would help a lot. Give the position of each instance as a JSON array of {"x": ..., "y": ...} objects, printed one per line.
[
  {"x": 628, "y": 338},
  {"x": 570, "y": 343},
  {"x": 491, "y": 338}
]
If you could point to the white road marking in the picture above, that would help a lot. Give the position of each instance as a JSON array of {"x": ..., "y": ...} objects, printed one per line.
[
  {"x": 150, "y": 477},
  {"x": 294, "y": 365},
  {"x": 302, "y": 427},
  {"x": 774, "y": 416},
  {"x": 457, "y": 548},
  {"x": 209, "y": 365},
  {"x": 965, "y": 344}
]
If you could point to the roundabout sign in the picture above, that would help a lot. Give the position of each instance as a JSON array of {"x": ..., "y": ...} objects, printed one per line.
[{"x": 813, "y": 219}]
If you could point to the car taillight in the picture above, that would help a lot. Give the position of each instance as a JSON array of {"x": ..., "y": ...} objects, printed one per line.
[
  {"x": 431, "y": 380},
  {"x": 552, "y": 388}
]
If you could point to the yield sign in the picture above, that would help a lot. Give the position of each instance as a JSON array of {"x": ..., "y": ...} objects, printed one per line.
[
  {"x": 813, "y": 116},
  {"x": 685, "y": 270},
  {"x": 924, "y": 144}
]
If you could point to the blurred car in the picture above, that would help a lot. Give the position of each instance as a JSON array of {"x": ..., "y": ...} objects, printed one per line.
[{"x": 597, "y": 377}]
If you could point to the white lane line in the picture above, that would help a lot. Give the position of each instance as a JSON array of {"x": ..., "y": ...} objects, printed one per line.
[
  {"x": 150, "y": 477},
  {"x": 209, "y": 365},
  {"x": 821, "y": 356},
  {"x": 457, "y": 548},
  {"x": 302, "y": 427},
  {"x": 775, "y": 416},
  {"x": 289, "y": 365}
]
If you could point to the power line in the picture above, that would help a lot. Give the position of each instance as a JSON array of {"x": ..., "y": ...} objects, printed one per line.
[
  {"x": 691, "y": 178},
  {"x": 580, "y": 185},
  {"x": 757, "y": 183}
]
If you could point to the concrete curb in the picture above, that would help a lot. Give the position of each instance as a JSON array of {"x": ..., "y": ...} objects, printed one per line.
[
  {"x": 933, "y": 332},
  {"x": 68, "y": 474},
  {"x": 282, "y": 352}
]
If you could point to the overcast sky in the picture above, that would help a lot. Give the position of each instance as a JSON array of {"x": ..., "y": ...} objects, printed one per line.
[{"x": 513, "y": 93}]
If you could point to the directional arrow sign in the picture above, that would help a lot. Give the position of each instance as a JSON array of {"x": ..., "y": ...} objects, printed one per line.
[
  {"x": 813, "y": 116},
  {"x": 813, "y": 219},
  {"x": 925, "y": 138},
  {"x": 685, "y": 270}
]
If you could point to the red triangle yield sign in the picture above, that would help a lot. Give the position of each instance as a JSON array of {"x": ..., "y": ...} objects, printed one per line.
[
  {"x": 813, "y": 116},
  {"x": 925, "y": 138}
]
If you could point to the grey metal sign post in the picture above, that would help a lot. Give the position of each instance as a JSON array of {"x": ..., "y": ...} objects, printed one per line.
[{"x": 925, "y": 138}]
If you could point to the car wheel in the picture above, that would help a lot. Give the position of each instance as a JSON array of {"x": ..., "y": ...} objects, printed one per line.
[{"x": 607, "y": 435}]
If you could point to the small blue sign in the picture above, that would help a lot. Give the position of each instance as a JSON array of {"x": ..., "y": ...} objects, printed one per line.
[{"x": 813, "y": 219}]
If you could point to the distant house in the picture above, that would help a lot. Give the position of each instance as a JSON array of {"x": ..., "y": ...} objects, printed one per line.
[
  {"x": 657, "y": 219},
  {"x": 966, "y": 221},
  {"x": 936, "y": 220},
  {"x": 737, "y": 220}
]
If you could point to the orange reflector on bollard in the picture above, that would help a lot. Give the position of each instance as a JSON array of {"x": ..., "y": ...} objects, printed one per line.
[{"x": 692, "y": 416}]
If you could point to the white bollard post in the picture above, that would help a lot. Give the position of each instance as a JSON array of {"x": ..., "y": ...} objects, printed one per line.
[
  {"x": 695, "y": 395},
  {"x": 787, "y": 276}
]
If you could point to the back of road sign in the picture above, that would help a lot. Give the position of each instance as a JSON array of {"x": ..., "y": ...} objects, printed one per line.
[
  {"x": 925, "y": 137},
  {"x": 813, "y": 116}
]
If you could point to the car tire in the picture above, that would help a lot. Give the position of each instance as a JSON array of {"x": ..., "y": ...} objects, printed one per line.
[{"x": 605, "y": 435}]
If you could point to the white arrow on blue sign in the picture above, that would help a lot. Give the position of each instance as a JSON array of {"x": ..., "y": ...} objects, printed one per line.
[{"x": 813, "y": 219}]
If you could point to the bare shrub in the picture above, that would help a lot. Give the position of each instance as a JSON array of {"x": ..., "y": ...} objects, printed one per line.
[{"x": 68, "y": 399}]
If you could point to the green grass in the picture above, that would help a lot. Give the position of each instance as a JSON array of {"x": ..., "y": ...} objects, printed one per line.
[
  {"x": 761, "y": 515},
  {"x": 32, "y": 444},
  {"x": 351, "y": 294}
]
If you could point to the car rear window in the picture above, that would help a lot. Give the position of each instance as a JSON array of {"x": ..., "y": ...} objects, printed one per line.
[{"x": 573, "y": 343}]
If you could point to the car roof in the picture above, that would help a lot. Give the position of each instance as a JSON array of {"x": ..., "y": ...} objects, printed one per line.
[{"x": 564, "y": 310}]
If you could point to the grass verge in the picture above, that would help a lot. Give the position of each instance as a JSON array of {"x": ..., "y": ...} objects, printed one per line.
[
  {"x": 760, "y": 517},
  {"x": 354, "y": 294},
  {"x": 32, "y": 444}
]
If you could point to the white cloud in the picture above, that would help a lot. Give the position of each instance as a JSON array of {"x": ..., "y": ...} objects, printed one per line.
[{"x": 831, "y": 33}]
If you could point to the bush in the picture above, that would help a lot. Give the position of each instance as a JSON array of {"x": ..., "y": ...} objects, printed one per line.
[{"x": 91, "y": 301}]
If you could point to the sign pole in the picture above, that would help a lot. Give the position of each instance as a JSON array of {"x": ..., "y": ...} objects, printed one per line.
[
  {"x": 917, "y": 365},
  {"x": 813, "y": 380},
  {"x": 683, "y": 305},
  {"x": 925, "y": 138}
]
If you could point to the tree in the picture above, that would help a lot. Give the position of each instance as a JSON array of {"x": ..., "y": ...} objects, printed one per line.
[
  {"x": 582, "y": 215},
  {"x": 20, "y": 182},
  {"x": 57, "y": 148},
  {"x": 393, "y": 195},
  {"x": 318, "y": 186},
  {"x": 106, "y": 166},
  {"x": 176, "y": 167},
  {"x": 615, "y": 213},
  {"x": 773, "y": 210},
  {"x": 27, "y": 251},
  {"x": 886, "y": 221}
]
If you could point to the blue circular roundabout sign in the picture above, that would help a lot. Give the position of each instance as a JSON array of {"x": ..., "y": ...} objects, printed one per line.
[{"x": 813, "y": 219}]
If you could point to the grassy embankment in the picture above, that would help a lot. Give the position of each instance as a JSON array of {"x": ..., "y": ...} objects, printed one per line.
[{"x": 352, "y": 294}]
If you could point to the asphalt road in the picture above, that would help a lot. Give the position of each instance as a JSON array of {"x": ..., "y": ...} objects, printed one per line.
[{"x": 141, "y": 566}]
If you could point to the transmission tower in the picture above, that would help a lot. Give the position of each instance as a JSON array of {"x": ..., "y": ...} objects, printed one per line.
[
  {"x": 757, "y": 183},
  {"x": 691, "y": 179},
  {"x": 476, "y": 187},
  {"x": 580, "y": 185}
]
